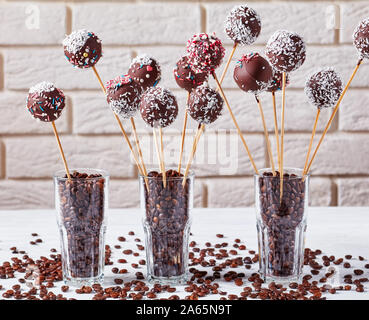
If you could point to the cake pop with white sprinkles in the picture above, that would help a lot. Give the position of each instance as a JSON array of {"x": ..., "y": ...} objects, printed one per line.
[
  {"x": 205, "y": 104},
  {"x": 186, "y": 77},
  {"x": 286, "y": 51},
  {"x": 243, "y": 25},
  {"x": 158, "y": 107},
  {"x": 45, "y": 102},
  {"x": 82, "y": 48},
  {"x": 123, "y": 96},
  {"x": 361, "y": 38},
  {"x": 145, "y": 71},
  {"x": 205, "y": 52},
  {"x": 253, "y": 73},
  {"x": 323, "y": 88}
]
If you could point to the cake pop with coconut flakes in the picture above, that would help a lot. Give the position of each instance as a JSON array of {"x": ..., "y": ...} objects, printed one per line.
[
  {"x": 323, "y": 88},
  {"x": 286, "y": 51},
  {"x": 243, "y": 25},
  {"x": 123, "y": 96},
  {"x": 145, "y": 71},
  {"x": 45, "y": 102},
  {"x": 205, "y": 104},
  {"x": 82, "y": 48},
  {"x": 158, "y": 107}
]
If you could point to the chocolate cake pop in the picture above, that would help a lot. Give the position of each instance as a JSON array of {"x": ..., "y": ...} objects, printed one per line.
[
  {"x": 145, "y": 71},
  {"x": 361, "y": 38},
  {"x": 45, "y": 102},
  {"x": 243, "y": 25},
  {"x": 82, "y": 48},
  {"x": 286, "y": 51},
  {"x": 205, "y": 52},
  {"x": 158, "y": 107},
  {"x": 123, "y": 96},
  {"x": 253, "y": 73},
  {"x": 276, "y": 83},
  {"x": 186, "y": 77},
  {"x": 205, "y": 104},
  {"x": 323, "y": 88}
]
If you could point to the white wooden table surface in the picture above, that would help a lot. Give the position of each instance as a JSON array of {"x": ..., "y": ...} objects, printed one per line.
[{"x": 336, "y": 231}]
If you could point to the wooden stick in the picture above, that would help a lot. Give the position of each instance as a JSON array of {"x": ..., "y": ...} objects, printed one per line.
[
  {"x": 129, "y": 145},
  {"x": 139, "y": 152},
  {"x": 266, "y": 134},
  {"x": 183, "y": 135},
  {"x": 121, "y": 127},
  {"x": 196, "y": 140},
  {"x": 99, "y": 79},
  {"x": 311, "y": 141},
  {"x": 61, "y": 149},
  {"x": 235, "y": 123},
  {"x": 276, "y": 132},
  {"x": 162, "y": 157},
  {"x": 228, "y": 62},
  {"x": 333, "y": 114},
  {"x": 158, "y": 153},
  {"x": 282, "y": 134}
]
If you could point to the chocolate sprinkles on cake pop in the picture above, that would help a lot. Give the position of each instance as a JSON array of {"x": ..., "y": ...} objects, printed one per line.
[
  {"x": 253, "y": 73},
  {"x": 45, "y": 102},
  {"x": 243, "y": 25},
  {"x": 82, "y": 48},
  {"x": 286, "y": 51},
  {"x": 186, "y": 77},
  {"x": 205, "y": 104},
  {"x": 323, "y": 88},
  {"x": 205, "y": 52},
  {"x": 123, "y": 96},
  {"x": 145, "y": 71},
  {"x": 158, "y": 107}
]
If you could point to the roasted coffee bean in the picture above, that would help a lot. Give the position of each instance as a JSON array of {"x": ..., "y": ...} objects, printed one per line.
[
  {"x": 131, "y": 233},
  {"x": 81, "y": 206},
  {"x": 118, "y": 281},
  {"x": 346, "y": 265},
  {"x": 358, "y": 272},
  {"x": 127, "y": 251},
  {"x": 121, "y": 239}
]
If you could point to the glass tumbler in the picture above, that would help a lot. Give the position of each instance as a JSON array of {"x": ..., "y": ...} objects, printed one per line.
[
  {"x": 166, "y": 222},
  {"x": 81, "y": 205},
  {"x": 281, "y": 223}
]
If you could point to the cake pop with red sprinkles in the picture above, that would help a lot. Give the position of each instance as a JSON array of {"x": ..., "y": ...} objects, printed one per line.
[
  {"x": 186, "y": 77},
  {"x": 82, "y": 48},
  {"x": 205, "y": 104},
  {"x": 253, "y": 73},
  {"x": 45, "y": 102},
  {"x": 158, "y": 107},
  {"x": 286, "y": 51},
  {"x": 205, "y": 52},
  {"x": 145, "y": 71},
  {"x": 123, "y": 96},
  {"x": 243, "y": 25}
]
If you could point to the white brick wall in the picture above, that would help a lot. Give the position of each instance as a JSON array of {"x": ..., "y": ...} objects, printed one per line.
[{"x": 30, "y": 51}]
